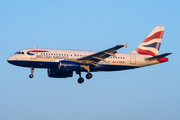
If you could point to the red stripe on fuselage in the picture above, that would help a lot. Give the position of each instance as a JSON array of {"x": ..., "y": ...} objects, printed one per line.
[
  {"x": 157, "y": 35},
  {"x": 145, "y": 52},
  {"x": 38, "y": 51}
]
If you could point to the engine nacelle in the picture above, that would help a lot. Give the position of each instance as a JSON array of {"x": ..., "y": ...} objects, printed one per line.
[
  {"x": 69, "y": 65},
  {"x": 59, "y": 74}
]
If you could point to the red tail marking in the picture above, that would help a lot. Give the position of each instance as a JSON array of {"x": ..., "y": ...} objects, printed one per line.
[
  {"x": 145, "y": 52},
  {"x": 154, "y": 36},
  {"x": 164, "y": 59},
  {"x": 38, "y": 51}
]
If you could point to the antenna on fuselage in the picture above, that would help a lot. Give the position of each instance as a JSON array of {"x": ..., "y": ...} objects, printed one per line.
[{"x": 34, "y": 46}]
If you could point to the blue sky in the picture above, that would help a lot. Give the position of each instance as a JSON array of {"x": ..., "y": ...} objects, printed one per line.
[{"x": 145, "y": 93}]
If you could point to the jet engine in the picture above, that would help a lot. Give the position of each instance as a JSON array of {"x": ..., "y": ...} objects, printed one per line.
[
  {"x": 69, "y": 65},
  {"x": 55, "y": 73}
]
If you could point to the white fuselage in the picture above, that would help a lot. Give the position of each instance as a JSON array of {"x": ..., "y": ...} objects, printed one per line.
[{"x": 47, "y": 58}]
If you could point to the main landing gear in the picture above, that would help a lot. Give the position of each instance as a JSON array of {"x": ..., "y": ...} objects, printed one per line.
[
  {"x": 32, "y": 71},
  {"x": 81, "y": 80},
  {"x": 88, "y": 75}
]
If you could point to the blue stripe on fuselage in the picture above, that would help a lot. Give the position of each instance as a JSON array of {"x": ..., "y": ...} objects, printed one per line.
[
  {"x": 35, "y": 64},
  {"x": 54, "y": 65},
  {"x": 112, "y": 68}
]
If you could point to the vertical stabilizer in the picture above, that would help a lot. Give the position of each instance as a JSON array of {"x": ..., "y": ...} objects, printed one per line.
[{"x": 151, "y": 44}]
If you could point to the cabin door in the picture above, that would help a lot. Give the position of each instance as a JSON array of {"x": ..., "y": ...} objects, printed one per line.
[{"x": 132, "y": 59}]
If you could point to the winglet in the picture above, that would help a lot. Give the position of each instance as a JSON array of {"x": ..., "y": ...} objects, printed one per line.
[{"x": 125, "y": 45}]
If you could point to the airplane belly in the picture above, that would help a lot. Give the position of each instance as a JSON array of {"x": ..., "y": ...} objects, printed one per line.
[
  {"x": 112, "y": 67},
  {"x": 35, "y": 64}
]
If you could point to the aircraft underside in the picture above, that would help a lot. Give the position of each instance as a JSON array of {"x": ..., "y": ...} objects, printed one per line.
[
  {"x": 54, "y": 65},
  {"x": 53, "y": 70}
]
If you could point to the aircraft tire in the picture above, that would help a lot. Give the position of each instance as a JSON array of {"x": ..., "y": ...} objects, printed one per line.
[
  {"x": 80, "y": 80},
  {"x": 88, "y": 75},
  {"x": 31, "y": 76}
]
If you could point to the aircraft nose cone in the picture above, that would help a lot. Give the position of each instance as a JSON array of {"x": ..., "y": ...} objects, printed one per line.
[
  {"x": 7, "y": 60},
  {"x": 10, "y": 59}
]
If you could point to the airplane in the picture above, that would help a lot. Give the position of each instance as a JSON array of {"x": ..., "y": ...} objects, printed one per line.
[{"x": 62, "y": 63}]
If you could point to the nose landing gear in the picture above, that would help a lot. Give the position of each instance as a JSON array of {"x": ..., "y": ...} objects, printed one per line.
[{"x": 32, "y": 71}]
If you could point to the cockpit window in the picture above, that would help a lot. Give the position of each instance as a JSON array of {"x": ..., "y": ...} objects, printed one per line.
[
  {"x": 16, "y": 53},
  {"x": 19, "y": 53}
]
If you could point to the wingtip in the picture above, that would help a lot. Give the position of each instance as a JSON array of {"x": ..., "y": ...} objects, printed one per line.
[
  {"x": 125, "y": 45},
  {"x": 169, "y": 53}
]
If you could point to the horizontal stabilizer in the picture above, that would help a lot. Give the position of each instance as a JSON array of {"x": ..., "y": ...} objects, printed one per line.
[{"x": 158, "y": 56}]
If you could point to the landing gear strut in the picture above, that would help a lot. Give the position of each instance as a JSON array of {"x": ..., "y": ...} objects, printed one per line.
[
  {"x": 80, "y": 80},
  {"x": 32, "y": 71}
]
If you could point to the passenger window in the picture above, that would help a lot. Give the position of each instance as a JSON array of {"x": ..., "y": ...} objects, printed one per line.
[{"x": 22, "y": 52}]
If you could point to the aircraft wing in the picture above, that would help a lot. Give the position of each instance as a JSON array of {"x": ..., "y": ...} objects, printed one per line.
[{"x": 100, "y": 56}]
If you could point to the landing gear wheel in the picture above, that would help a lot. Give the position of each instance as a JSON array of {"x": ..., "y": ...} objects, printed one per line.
[
  {"x": 89, "y": 76},
  {"x": 80, "y": 80},
  {"x": 31, "y": 76},
  {"x": 32, "y": 71}
]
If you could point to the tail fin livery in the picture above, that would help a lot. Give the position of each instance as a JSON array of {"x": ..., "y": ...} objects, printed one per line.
[{"x": 151, "y": 44}]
